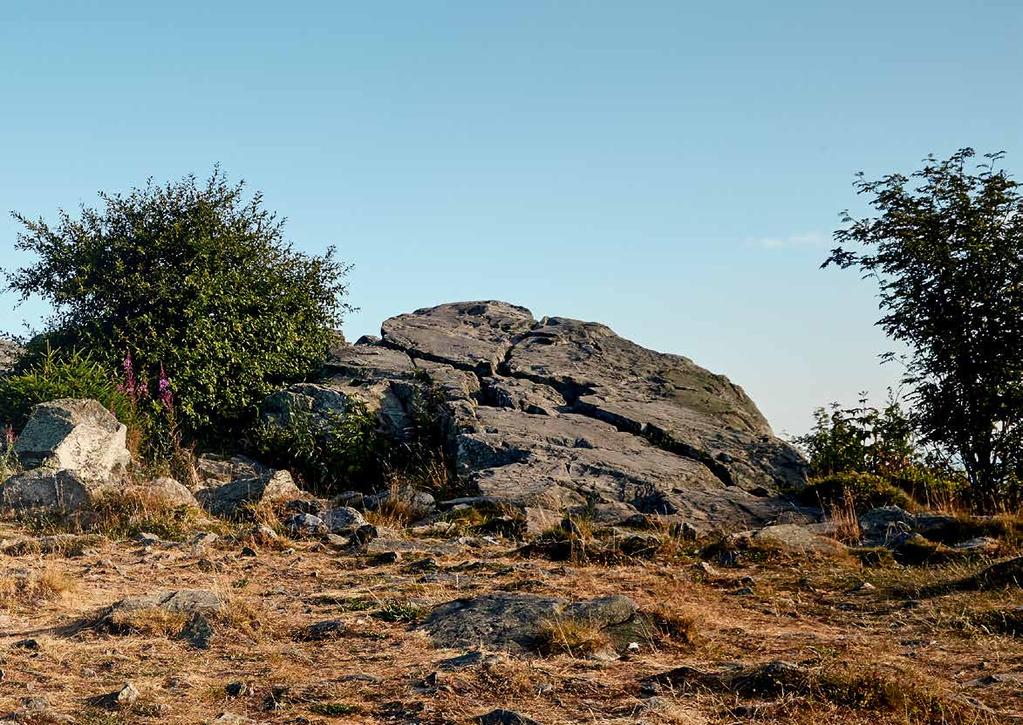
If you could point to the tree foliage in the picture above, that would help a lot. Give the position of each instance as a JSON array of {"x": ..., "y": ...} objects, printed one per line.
[
  {"x": 946, "y": 250},
  {"x": 194, "y": 277}
]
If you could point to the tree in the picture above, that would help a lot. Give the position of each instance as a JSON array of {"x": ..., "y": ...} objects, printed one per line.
[
  {"x": 946, "y": 250},
  {"x": 192, "y": 286}
]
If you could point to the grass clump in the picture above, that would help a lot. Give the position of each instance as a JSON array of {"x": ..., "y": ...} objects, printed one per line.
[
  {"x": 121, "y": 515},
  {"x": 32, "y": 587},
  {"x": 401, "y": 610},
  {"x": 334, "y": 709},
  {"x": 679, "y": 625},
  {"x": 574, "y": 636}
]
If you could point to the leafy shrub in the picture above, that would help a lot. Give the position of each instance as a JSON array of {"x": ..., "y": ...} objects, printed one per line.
[
  {"x": 193, "y": 278},
  {"x": 862, "y": 438},
  {"x": 57, "y": 374},
  {"x": 329, "y": 452}
]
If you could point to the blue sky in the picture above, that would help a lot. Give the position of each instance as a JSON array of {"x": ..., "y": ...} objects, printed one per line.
[{"x": 672, "y": 169}]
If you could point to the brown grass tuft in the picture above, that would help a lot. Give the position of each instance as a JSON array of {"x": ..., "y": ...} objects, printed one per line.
[
  {"x": 35, "y": 586},
  {"x": 572, "y": 636}
]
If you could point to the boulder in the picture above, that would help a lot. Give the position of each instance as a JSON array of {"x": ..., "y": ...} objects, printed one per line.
[
  {"x": 798, "y": 539},
  {"x": 417, "y": 503},
  {"x": 166, "y": 490},
  {"x": 886, "y": 525},
  {"x": 229, "y": 499},
  {"x": 513, "y": 622},
  {"x": 343, "y": 521},
  {"x": 74, "y": 435},
  {"x": 44, "y": 488}
]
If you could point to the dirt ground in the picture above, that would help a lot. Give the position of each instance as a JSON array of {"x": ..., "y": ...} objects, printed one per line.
[{"x": 878, "y": 645}]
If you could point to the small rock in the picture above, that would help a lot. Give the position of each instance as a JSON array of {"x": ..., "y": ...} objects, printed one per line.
[
  {"x": 329, "y": 629},
  {"x": 29, "y": 644},
  {"x": 229, "y": 718},
  {"x": 501, "y": 716},
  {"x": 126, "y": 696},
  {"x": 248, "y": 551},
  {"x": 238, "y": 689},
  {"x": 305, "y": 525},
  {"x": 343, "y": 521}
]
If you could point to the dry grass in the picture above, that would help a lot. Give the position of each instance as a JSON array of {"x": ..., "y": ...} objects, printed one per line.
[
  {"x": 844, "y": 521},
  {"x": 680, "y": 624},
  {"x": 32, "y": 587},
  {"x": 573, "y": 636},
  {"x": 869, "y": 656}
]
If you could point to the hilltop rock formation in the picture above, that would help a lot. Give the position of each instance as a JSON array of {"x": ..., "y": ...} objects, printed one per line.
[{"x": 557, "y": 413}]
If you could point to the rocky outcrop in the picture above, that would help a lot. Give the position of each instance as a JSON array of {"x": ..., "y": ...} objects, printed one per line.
[{"x": 558, "y": 413}]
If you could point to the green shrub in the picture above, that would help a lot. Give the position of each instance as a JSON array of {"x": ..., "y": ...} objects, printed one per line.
[
  {"x": 329, "y": 452},
  {"x": 865, "y": 490},
  {"x": 194, "y": 278},
  {"x": 56, "y": 374}
]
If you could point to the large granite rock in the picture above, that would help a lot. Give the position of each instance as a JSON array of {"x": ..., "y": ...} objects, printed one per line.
[
  {"x": 75, "y": 435},
  {"x": 559, "y": 413}
]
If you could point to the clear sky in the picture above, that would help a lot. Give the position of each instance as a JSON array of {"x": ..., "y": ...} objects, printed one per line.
[{"x": 672, "y": 169}]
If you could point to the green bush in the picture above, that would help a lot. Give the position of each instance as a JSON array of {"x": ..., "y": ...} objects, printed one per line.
[
  {"x": 865, "y": 490},
  {"x": 329, "y": 452},
  {"x": 861, "y": 438},
  {"x": 192, "y": 278},
  {"x": 54, "y": 375}
]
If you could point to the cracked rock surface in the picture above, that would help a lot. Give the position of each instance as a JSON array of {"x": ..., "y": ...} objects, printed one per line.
[{"x": 556, "y": 413}]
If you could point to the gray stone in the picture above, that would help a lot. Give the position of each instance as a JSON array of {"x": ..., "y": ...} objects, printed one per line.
[
  {"x": 501, "y": 716},
  {"x": 215, "y": 469},
  {"x": 799, "y": 539},
  {"x": 48, "y": 489},
  {"x": 186, "y": 601},
  {"x": 343, "y": 521},
  {"x": 473, "y": 336},
  {"x": 418, "y": 503},
  {"x": 512, "y": 622},
  {"x": 228, "y": 499},
  {"x": 886, "y": 525},
  {"x": 557, "y": 414},
  {"x": 76, "y": 435},
  {"x": 325, "y": 630},
  {"x": 166, "y": 490},
  {"x": 305, "y": 525}
]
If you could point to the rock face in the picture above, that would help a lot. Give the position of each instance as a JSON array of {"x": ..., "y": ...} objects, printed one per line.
[
  {"x": 75, "y": 435},
  {"x": 558, "y": 413}
]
